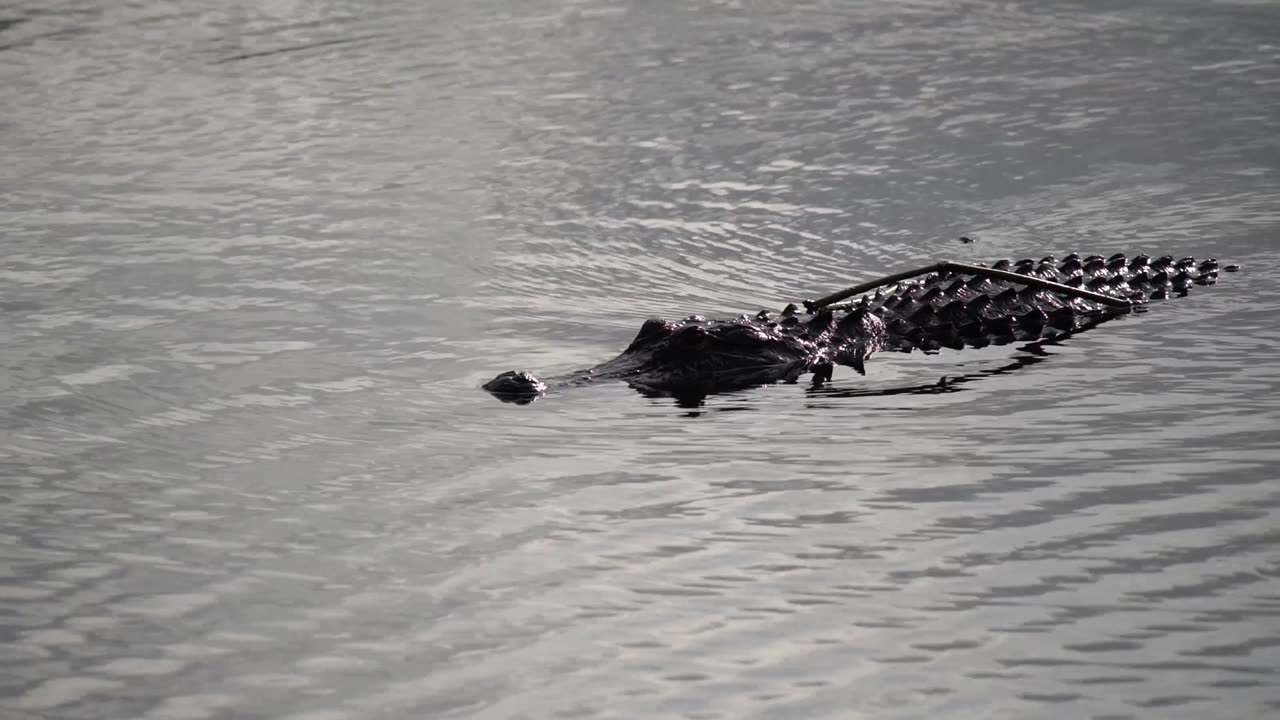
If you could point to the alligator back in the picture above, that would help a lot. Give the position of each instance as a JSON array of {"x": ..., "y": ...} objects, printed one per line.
[{"x": 949, "y": 309}]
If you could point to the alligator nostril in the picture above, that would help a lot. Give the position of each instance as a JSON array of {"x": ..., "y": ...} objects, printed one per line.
[{"x": 513, "y": 385}]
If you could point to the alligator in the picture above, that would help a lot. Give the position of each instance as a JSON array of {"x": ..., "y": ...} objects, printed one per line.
[{"x": 944, "y": 305}]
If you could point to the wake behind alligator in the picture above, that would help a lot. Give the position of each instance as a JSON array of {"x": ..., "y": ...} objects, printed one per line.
[{"x": 946, "y": 305}]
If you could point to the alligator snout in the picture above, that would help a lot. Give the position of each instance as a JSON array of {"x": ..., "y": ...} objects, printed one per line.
[{"x": 516, "y": 386}]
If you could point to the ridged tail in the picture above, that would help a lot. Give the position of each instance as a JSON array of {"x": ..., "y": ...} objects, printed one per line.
[{"x": 947, "y": 309}]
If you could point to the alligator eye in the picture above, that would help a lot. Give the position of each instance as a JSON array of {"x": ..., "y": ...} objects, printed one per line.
[
  {"x": 743, "y": 335},
  {"x": 651, "y": 327},
  {"x": 690, "y": 337},
  {"x": 652, "y": 331}
]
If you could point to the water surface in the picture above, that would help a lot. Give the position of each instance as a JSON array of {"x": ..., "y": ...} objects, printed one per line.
[{"x": 260, "y": 256}]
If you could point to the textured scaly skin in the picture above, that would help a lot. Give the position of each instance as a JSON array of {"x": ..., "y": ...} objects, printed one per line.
[{"x": 942, "y": 309}]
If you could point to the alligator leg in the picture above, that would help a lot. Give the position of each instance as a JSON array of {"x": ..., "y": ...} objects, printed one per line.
[
  {"x": 966, "y": 268},
  {"x": 822, "y": 374}
]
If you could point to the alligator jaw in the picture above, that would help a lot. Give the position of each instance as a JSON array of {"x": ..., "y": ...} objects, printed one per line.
[{"x": 516, "y": 386}]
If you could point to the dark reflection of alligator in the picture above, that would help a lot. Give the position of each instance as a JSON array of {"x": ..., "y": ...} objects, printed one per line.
[{"x": 948, "y": 305}]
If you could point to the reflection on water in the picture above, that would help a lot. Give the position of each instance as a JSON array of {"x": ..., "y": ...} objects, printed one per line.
[{"x": 259, "y": 257}]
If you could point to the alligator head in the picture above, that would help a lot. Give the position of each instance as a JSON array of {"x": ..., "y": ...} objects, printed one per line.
[{"x": 692, "y": 357}]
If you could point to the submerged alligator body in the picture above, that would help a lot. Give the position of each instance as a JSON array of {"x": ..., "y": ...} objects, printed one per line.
[{"x": 954, "y": 307}]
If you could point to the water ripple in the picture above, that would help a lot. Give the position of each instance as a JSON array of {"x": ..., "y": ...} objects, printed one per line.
[{"x": 260, "y": 256}]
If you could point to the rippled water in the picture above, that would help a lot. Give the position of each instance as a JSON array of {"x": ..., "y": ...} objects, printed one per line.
[{"x": 260, "y": 255}]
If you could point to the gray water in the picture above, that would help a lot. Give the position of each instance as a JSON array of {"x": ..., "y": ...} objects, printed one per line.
[{"x": 259, "y": 256}]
